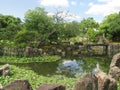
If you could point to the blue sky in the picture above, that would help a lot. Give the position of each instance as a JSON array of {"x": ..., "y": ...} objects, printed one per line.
[{"x": 78, "y": 9}]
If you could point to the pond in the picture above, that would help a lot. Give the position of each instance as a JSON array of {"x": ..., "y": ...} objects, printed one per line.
[{"x": 68, "y": 67}]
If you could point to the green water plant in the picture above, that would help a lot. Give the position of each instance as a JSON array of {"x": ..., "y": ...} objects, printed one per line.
[
  {"x": 28, "y": 60},
  {"x": 36, "y": 80}
]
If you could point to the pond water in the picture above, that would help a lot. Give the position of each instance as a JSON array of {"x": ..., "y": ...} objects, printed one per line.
[{"x": 68, "y": 67}]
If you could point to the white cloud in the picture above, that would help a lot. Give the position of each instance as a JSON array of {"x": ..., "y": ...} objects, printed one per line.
[
  {"x": 104, "y": 0},
  {"x": 82, "y": 4},
  {"x": 73, "y": 3},
  {"x": 72, "y": 17},
  {"x": 108, "y": 7},
  {"x": 55, "y": 3},
  {"x": 50, "y": 14},
  {"x": 90, "y": 4},
  {"x": 67, "y": 16}
]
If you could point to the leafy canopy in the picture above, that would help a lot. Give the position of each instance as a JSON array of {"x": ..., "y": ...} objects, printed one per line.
[
  {"x": 38, "y": 20},
  {"x": 9, "y": 26},
  {"x": 111, "y": 26}
]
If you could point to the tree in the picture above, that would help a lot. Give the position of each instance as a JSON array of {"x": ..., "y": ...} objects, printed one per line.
[
  {"x": 9, "y": 27},
  {"x": 60, "y": 16},
  {"x": 59, "y": 25},
  {"x": 38, "y": 20},
  {"x": 87, "y": 26},
  {"x": 25, "y": 38},
  {"x": 92, "y": 35},
  {"x": 111, "y": 27},
  {"x": 71, "y": 30}
]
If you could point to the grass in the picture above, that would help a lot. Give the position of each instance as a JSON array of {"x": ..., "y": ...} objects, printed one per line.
[
  {"x": 36, "y": 80},
  {"x": 118, "y": 85},
  {"x": 28, "y": 60}
]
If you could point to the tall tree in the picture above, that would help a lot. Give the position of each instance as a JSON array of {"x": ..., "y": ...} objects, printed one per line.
[
  {"x": 88, "y": 23},
  {"x": 38, "y": 20},
  {"x": 110, "y": 26},
  {"x": 71, "y": 30},
  {"x": 86, "y": 26},
  {"x": 9, "y": 27},
  {"x": 59, "y": 24}
]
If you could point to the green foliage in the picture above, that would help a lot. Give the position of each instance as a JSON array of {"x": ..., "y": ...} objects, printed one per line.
[
  {"x": 28, "y": 60},
  {"x": 111, "y": 27},
  {"x": 88, "y": 29},
  {"x": 39, "y": 27},
  {"x": 25, "y": 38},
  {"x": 48, "y": 28},
  {"x": 88, "y": 23},
  {"x": 6, "y": 43},
  {"x": 36, "y": 80},
  {"x": 9, "y": 26},
  {"x": 59, "y": 29},
  {"x": 71, "y": 30},
  {"x": 92, "y": 34},
  {"x": 65, "y": 30},
  {"x": 38, "y": 20}
]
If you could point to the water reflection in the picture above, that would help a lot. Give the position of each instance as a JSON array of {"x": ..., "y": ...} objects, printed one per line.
[
  {"x": 66, "y": 67},
  {"x": 69, "y": 67}
]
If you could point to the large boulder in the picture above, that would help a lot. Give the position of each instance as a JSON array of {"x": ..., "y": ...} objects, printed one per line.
[
  {"x": 114, "y": 71},
  {"x": 51, "y": 87},
  {"x": 5, "y": 70},
  {"x": 89, "y": 82},
  {"x": 19, "y": 84},
  {"x": 99, "y": 81},
  {"x": 105, "y": 82}
]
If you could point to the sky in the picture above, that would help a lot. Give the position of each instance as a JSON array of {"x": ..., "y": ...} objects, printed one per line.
[{"x": 75, "y": 9}]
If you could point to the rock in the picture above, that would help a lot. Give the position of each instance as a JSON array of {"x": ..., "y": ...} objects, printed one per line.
[
  {"x": 19, "y": 84},
  {"x": 51, "y": 87},
  {"x": 5, "y": 70},
  {"x": 114, "y": 71},
  {"x": 99, "y": 81},
  {"x": 113, "y": 84},
  {"x": 105, "y": 82},
  {"x": 1, "y": 71},
  {"x": 1, "y": 87},
  {"x": 1, "y": 51},
  {"x": 29, "y": 51},
  {"x": 89, "y": 82}
]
